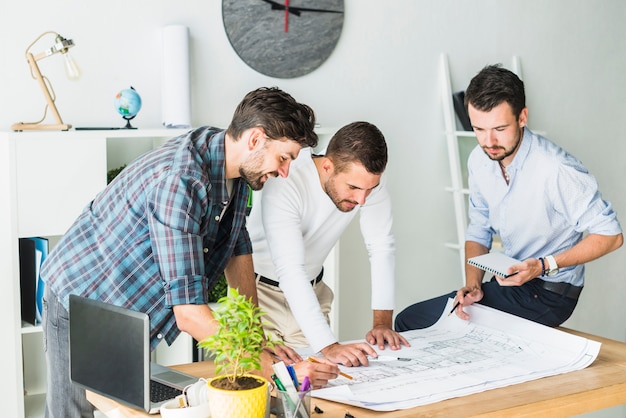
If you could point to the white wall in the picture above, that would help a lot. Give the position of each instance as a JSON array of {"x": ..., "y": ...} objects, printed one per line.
[{"x": 384, "y": 70}]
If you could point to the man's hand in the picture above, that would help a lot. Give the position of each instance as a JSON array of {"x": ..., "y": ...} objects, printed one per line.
[
  {"x": 525, "y": 272},
  {"x": 286, "y": 354},
  {"x": 466, "y": 296},
  {"x": 381, "y": 334},
  {"x": 319, "y": 372},
  {"x": 350, "y": 355}
]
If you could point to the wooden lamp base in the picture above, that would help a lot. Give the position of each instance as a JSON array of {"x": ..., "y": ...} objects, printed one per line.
[{"x": 40, "y": 126}]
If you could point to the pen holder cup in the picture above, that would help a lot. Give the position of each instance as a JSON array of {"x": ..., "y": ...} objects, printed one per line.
[{"x": 293, "y": 404}]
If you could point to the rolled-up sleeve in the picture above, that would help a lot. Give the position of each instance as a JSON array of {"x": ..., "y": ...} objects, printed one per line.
[{"x": 175, "y": 233}]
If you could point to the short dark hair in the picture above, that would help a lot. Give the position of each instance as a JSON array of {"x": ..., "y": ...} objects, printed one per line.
[
  {"x": 277, "y": 113},
  {"x": 359, "y": 142},
  {"x": 494, "y": 85}
]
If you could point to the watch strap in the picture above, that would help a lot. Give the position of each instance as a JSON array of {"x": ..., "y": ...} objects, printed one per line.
[{"x": 553, "y": 267}]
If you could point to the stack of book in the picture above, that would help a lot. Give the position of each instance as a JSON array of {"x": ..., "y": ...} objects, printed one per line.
[{"x": 33, "y": 251}]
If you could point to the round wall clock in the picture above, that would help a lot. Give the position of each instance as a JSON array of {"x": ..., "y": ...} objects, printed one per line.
[{"x": 283, "y": 38}]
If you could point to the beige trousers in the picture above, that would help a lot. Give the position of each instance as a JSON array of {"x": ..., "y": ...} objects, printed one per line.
[{"x": 282, "y": 325}]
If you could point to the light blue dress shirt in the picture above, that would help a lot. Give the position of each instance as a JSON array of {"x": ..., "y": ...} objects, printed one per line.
[{"x": 550, "y": 202}]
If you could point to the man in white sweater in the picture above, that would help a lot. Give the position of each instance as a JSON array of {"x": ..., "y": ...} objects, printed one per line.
[{"x": 295, "y": 223}]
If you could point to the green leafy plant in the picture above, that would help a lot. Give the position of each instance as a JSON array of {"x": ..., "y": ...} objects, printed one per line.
[
  {"x": 111, "y": 174},
  {"x": 239, "y": 341},
  {"x": 219, "y": 290}
]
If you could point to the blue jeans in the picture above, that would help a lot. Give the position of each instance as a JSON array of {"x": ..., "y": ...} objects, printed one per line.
[
  {"x": 63, "y": 398},
  {"x": 529, "y": 301}
]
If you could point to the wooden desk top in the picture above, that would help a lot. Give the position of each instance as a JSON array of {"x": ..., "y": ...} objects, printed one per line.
[{"x": 601, "y": 385}]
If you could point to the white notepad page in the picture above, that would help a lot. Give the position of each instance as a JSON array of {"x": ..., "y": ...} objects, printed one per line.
[{"x": 496, "y": 263}]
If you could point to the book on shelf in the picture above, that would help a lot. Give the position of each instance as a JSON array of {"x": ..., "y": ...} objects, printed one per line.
[{"x": 33, "y": 252}]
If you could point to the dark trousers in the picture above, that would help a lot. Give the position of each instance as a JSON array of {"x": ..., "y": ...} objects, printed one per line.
[{"x": 529, "y": 301}]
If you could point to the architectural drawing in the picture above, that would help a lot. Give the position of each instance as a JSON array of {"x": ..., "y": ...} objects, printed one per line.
[{"x": 455, "y": 357}]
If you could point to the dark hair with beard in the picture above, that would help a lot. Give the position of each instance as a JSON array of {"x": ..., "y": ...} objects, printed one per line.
[
  {"x": 494, "y": 85},
  {"x": 359, "y": 142},
  {"x": 277, "y": 113}
]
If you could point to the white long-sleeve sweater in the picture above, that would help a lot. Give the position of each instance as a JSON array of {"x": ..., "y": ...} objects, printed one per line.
[{"x": 294, "y": 225}]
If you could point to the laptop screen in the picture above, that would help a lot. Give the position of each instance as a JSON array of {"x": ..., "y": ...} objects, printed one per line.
[{"x": 110, "y": 351}]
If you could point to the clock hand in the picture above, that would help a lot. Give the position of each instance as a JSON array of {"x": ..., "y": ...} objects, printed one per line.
[
  {"x": 277, "y": 6},
  {"x": 286, "y": 16},
  {"x": 305, "y": 9},
  {"x": 286, "y": 9},
  {"x": 296, "y": 10}
]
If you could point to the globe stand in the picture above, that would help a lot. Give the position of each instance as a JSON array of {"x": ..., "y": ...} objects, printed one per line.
[{"x": 128, "y": 119}]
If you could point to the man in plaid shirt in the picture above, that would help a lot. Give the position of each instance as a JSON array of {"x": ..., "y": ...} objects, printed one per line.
[{"x": 158, "y": 237}]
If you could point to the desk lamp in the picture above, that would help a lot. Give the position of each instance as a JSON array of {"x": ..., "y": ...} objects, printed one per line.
[{"x": 61, "y": 45}]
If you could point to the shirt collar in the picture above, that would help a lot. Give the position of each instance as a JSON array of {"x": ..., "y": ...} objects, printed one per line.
[
  {"x": 522, "y": 153},
  {"x": 217, "y": 166}
]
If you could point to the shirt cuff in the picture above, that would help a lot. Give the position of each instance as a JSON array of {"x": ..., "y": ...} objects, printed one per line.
[{"x": 185, "y": 290}]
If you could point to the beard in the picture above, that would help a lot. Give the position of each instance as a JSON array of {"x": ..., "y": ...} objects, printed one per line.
[
  {"x": 250, "y": 170},
  {"x": 508, "y": 152},
  {"x": 344, "y": 205}
]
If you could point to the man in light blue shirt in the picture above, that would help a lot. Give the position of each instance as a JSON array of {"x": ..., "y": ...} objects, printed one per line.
[{"x": 538, "y": 199}]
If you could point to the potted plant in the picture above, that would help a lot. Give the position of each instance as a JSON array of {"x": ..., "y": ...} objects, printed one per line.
[{"x": 237, "y": 347}]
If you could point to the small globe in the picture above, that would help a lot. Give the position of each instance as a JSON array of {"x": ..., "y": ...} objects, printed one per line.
[{"x": 128, "y": 103}]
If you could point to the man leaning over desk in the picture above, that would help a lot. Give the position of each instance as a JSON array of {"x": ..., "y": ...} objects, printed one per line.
[
  {"x": 297, "y": 222},
  {"x": 157, "y": 237}
]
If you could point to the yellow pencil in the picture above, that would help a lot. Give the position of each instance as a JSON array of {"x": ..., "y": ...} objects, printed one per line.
[{"x": 346, "y": 375}]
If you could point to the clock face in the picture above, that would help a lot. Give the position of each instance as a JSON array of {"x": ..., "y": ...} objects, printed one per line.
[{"x": 283, "y": 38}]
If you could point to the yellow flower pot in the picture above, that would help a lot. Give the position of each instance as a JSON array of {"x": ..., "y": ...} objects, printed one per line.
[{"x": 251, "y": 403}]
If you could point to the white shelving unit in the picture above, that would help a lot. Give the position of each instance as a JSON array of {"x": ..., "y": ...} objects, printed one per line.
[
  {"x": 46, "y": 178},
  {"x": 458, "y": 179},
  {"x": 460, "y": 144}
]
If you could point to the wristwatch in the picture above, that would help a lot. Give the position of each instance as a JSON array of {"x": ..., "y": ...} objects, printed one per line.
[{"x": 553, "y": 268}]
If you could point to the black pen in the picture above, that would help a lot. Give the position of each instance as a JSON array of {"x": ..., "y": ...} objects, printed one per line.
[
  {"x": 458, "y": 302},
  {"x": 466, "y": 293}
]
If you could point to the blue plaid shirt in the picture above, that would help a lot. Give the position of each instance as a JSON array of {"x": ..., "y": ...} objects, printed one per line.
[{"x": 159, "y": 235}]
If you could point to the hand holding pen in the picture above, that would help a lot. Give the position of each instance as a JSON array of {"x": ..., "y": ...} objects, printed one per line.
[
  {"x": 475, "y": 294},
  {"x": 458, "y": 302},
  {"x": 316, "y": 361},
  {"x": 319, "y": 372}
]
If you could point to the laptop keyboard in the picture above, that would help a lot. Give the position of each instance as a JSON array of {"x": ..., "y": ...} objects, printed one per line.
[{"x": 160, "y": 392}]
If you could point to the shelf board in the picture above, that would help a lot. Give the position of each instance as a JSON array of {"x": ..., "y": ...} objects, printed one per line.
[
  {"x": 34, "y": 405},
  {"x": 30, "y": 328},
  {"x": 454, "y": 189},
  {"x": 453, "y": 246}
]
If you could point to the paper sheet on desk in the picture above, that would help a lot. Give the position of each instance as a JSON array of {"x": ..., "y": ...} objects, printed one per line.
[{"x": 454, "y": 358}]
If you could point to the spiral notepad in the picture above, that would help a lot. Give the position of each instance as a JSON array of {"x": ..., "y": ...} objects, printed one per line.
[{"x": 496, "y": 263}]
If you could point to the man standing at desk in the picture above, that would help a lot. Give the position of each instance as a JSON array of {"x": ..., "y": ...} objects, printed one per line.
[
  {"x": 158, "y": 237},
  {"x": 538, "y": 198},
  {"x": 297, "y": 222}
]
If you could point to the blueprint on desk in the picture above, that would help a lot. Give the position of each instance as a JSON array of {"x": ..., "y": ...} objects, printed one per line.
[{"x": 455, "y": 357}]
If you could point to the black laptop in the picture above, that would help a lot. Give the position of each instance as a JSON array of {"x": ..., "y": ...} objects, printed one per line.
[{"x": 110, "y": 356}]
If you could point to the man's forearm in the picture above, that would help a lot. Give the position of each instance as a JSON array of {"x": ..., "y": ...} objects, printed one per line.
[
  {"x": 240, "y": 274},
  {"x": 382, "y": 318},
  {"x": 592, "y": 247},
  {"x": 474, "y": 275}
]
